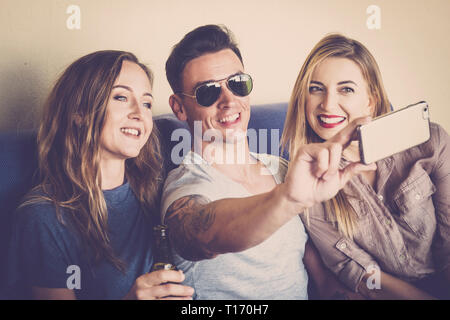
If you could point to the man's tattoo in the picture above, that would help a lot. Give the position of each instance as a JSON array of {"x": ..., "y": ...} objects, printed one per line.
[{"x": 188, "y": 218}]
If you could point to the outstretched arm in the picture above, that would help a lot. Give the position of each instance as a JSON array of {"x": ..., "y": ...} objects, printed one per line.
[{"x": 201, "y": 228}]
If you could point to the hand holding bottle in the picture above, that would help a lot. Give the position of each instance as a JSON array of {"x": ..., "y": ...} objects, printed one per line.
[{"x": 162, "y": 285}]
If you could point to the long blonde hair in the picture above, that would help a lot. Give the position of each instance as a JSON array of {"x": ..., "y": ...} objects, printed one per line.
[
  {"x": 69, "y": 151},
  {"x": 297, "y": 130}
]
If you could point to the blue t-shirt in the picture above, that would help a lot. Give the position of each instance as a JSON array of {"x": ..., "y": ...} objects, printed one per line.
[{"x": 46, "y": 253}]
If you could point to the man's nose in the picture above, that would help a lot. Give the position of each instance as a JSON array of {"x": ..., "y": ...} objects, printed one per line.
[{"x": 227, "y": 98}]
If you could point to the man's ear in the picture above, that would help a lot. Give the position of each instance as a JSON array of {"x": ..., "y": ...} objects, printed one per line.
[{"x": 177, "y": 107}]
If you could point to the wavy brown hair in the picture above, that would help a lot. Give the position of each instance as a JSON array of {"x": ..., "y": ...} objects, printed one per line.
[
  {"x": 297, "y": 130},
  {"x": 69, "y": 152}
]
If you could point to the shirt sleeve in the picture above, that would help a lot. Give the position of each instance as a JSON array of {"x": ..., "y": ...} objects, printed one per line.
[
  {"x": 183, "y": 182},
  {"x": 340, "y": 254},
  {"x": 41, "y": 249},
  {"x": 441, "y": 200}
]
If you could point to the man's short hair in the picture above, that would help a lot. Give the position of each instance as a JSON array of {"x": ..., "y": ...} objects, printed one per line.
[{"x": 200, "y": 41}]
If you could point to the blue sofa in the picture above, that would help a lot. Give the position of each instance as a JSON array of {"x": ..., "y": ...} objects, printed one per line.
[{"x": 18, "y": 162}]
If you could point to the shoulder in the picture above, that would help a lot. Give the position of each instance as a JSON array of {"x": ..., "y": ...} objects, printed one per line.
[
  {"x": 438, "y": 135},
  {"x": 186, "y": 180},
  {"x": 432, "y": 149},
  {"x": 36, "y": 212},
  {"x": 278, "y": 166},
  {"x": 193, "y": 173},
  {"x": 187, "y": 176},
  {"x": 39, "y": 219},
  {"x": 270, "y": 158}
]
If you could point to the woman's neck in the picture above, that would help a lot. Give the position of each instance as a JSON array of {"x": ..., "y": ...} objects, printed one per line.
[{"x": 112, "y": 173}]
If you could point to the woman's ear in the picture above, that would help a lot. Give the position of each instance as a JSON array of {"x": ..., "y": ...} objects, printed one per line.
[{"x": 177, "y": 107}]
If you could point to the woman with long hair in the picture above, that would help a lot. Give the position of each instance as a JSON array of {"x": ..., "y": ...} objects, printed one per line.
[
  {"x": 85, "y": 231},
  {"x": 386, "y": 234}
]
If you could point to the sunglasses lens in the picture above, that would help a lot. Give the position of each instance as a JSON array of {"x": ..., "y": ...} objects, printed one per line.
[
  {"x": 208, "y": 94},
  {"x": 241, "y": 84}
]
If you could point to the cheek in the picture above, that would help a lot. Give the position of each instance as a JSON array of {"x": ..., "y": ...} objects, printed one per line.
[
  {"x": 148, "y": 123},
  {"x": 149, "y": 128},
  {"x": 358, "y": 107},
  {"x": 309, "y": 110},
  {"x": 107, "y": 130}
]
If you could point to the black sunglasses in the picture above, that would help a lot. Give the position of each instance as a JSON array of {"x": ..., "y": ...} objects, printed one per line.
[{"x": 206, "y": 94}]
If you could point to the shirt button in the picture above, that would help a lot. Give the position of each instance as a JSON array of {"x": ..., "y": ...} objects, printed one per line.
[
  {"x": 417, "y": 196},
  {"x": 388, "y": 222},
  {"x": 402, "y": 257},
  {"x": 343, "y": 246},
  {"x": 380, "y": 197}
]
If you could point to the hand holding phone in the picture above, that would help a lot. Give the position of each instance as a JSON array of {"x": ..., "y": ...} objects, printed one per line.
[{"x": 394, "y": 132}]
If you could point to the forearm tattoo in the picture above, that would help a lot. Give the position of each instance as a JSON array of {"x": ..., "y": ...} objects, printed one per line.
[{"x": 188, "y": 218}]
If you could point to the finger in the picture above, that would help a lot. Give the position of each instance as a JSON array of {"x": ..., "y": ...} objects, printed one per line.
[
  {"x": 322, "y": 162},
  {"x": 163, "y": 276},
  {"x": 348, "y": 134},
  {"x": 171, "y": 289},
  {"x": 353, "y": 169},
  {"x": 335, "y": 154}
]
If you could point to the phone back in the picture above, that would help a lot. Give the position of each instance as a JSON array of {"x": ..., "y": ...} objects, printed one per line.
[{"x": 394, "y": 132}]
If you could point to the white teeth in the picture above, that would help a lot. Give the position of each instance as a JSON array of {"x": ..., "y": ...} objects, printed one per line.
[
  {"x": 331, "y": 120},
  {"x": 134, "y": 132},
  {"x": 229, "y": 118}
]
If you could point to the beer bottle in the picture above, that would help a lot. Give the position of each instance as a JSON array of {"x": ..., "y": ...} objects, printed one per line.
[{"x": 162, "y": 251}]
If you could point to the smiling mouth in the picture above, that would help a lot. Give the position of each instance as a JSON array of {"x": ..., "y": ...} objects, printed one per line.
[
  {"x": 230, "y": 119},
  {"x": 330, "y": 121},
  {"x": 132, "y": 132}
]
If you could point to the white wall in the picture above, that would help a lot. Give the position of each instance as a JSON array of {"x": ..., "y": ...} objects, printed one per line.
[{"x": 411, "y": 47}]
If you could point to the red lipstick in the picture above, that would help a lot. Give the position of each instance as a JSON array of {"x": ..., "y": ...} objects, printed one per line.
[{"x": 330, "y": 124}]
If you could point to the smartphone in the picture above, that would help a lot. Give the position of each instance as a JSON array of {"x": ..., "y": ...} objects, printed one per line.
[{"x": 394, "y": 132}]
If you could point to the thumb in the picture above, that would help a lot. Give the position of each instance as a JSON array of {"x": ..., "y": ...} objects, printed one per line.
[{"x": 353, "y": 169}]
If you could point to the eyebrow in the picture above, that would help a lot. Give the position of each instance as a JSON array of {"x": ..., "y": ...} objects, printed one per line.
[
  {"x": 339, "y": 83},
  {"x": 131, "y": 90},
  {"x": 198, "y": 84}
]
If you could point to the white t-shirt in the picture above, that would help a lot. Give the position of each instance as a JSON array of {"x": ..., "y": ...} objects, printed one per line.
[{"x": 271, "y": 270}]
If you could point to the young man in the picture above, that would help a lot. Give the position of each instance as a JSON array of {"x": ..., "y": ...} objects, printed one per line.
[{"x": 234, "y": 224}]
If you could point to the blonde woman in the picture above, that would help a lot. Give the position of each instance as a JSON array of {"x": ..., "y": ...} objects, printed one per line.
[
  {"x": 83, "y": 232},
  {"x": 386, "y": 234}
]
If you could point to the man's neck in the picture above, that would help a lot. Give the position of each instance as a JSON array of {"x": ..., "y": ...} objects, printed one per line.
[{"x": 232, "y": 159}]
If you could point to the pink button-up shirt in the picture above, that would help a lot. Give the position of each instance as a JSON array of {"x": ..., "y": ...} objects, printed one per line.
[{"x": 403, "y": 224}]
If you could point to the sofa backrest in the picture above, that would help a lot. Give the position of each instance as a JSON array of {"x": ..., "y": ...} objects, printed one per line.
[{"x": 18, "y": 159}]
